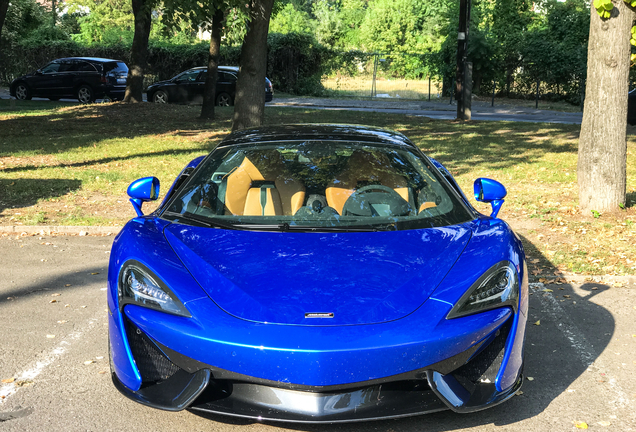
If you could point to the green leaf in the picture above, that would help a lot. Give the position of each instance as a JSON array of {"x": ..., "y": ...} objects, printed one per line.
[{"x": 595, "y": 214}]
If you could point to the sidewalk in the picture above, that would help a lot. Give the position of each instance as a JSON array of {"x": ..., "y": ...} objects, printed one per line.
[{"x": 440, "y": 108}]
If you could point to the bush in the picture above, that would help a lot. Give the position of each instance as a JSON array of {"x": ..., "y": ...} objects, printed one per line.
[{"x": 295, "y": 63}]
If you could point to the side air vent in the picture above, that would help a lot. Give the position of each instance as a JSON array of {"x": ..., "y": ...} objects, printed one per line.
[{"x": 153, "y": 365}]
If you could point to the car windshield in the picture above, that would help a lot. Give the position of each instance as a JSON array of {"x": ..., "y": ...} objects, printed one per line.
[{"x": 317, "y": 186}]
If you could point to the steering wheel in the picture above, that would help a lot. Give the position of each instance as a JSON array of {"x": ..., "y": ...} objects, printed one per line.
[{"x": 361, "y": 201}]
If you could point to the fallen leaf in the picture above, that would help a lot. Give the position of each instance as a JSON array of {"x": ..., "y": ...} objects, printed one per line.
[
  {"x": 67, "y": 305},
  {"x": 547, "y": 290},
  {"x": 102, "y": 372},
  {"x": 83, "y": 307},
  {"x": 56, "y": 295},
  {"x": 534, "y": 261},
  {"x": 538, "y": 323},
  {"x": 95, "y": 273},
  {"x": 53, "y": 301},
  {"x": 67, "y": 285},
  {"x": 8, "y": 380},
  {"x": 24, "y": 383},
  {"x": 87, "y": 362},
  {"x": 50, "y": 336},
  {"x": 99, "y": 357},
  {"x": 580, "y": 425},
  {"x": 594, "y": 288},
  {"x": 61, "y": 321},
  {"x": 566, "y": 296},
  {"x": 530, "y": 378}
]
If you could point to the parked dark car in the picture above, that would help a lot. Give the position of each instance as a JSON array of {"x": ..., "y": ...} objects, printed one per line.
[
  {"x": 83, "y": 78},
  {"x": 188, "y": 86}
]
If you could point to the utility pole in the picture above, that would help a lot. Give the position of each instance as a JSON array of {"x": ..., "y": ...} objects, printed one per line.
[{"x": 462, "y": 96}]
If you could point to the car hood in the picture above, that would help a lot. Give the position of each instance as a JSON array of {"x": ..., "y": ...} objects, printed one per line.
[
  {"x": 157, "y": 84},
  {"x": 344, "y": 278}
]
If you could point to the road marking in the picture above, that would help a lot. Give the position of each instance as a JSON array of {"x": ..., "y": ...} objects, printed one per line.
[
  {"x": 583, "y": 348},
  {"x": 8, "y": 390}
]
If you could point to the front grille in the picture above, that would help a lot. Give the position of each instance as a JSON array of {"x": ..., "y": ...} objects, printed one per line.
[{"x": 153, "y": 365}]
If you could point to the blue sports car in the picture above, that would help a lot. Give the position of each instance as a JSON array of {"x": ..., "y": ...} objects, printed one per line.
[{"x": 317, "y": 273}]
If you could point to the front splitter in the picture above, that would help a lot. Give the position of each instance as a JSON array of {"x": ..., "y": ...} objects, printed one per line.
[{"x": 264, "y": 403}]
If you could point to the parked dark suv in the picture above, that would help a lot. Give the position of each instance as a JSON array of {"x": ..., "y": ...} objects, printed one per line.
[
  {"x": 83, "y": 78},
  {"x": 188, "y": 87}
]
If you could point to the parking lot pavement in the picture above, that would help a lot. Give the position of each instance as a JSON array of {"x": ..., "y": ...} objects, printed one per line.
[{"x": 580, "y": 355}]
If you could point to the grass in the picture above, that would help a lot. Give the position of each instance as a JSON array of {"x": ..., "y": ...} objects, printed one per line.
[{"x": 64, "y": 164}]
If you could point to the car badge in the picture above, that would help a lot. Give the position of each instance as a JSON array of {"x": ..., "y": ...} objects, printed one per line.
[{"x": 319, "y": 315}]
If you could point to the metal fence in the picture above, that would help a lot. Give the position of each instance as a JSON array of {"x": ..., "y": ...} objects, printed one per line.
[{"x": 389, "y": 76}]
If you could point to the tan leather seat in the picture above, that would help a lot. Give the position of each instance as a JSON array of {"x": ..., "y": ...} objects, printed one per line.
[
  {"x": 260, "y": 186},
  {"x": 368, "y": 168}
]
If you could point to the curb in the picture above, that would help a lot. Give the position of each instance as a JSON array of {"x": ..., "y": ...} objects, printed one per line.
[
  {"x": 609, "y": 280},
  {"x": 25, "y": 230}
]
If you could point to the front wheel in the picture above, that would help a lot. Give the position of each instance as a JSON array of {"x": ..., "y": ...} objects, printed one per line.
[
  {"x": 224, "y": 99},
  {"x": 22, "y": 92},
  {"x": 85, "y": 94},
  {"x": 160, "y": 96}
]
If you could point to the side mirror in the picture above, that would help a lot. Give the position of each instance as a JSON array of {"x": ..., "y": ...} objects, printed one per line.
[
  {"x": 490, "y": 191},
  {"x": 142, "y": 190}
]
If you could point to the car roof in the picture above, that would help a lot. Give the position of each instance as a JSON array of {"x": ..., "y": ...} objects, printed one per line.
[
  {"x": 92, "y": 59},
  {"x": 221, "y": 68},
  {"x": 331, "y": 132}
]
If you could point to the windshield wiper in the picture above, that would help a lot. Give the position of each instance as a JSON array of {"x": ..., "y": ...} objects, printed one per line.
[
  {"x": 284, "y": 226},
  {"x": 200, "y": 220}
]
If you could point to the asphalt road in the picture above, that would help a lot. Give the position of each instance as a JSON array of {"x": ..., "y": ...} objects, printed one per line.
[
  {"x": 581, "y": 356},
  {"x": 437, "y": 109}
]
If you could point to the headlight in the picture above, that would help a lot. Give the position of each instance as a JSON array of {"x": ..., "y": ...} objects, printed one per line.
[
  {"x": 138, "y": 285},
  {"x": 497, "y": 287}
]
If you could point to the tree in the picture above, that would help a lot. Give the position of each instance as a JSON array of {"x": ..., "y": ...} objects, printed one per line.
[
  {"x": 602, "y": 164},
  {"x": 142, "y": 10},
  {"x": 4, "y": 6},
  {"x": 209, "y": 92},
  {"x": 249, "y": 105},
  {"x": 291, "y": 20}
]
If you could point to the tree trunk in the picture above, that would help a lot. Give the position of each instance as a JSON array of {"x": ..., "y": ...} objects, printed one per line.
[
  {"x": 602, "y": 160},
  {"x": 4, "y": 6},
  {"x": 249, "y": 104},
  {"x": 209, "y": 93},
  {"x": 142, "y": 10}
]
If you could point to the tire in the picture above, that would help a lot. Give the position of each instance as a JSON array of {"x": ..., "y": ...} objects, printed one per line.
[
  {"x": 224, "y": 99},
  {"x": 160, "y": 96},
  {"x": 85, "y": 94},
  {"x": 22, "y": 92}
]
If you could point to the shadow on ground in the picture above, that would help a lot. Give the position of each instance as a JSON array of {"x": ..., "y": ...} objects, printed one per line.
[{"x": 28, "y": 191}]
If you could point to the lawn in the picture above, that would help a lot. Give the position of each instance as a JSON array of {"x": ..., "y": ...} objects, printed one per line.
[{"x": 64, "y": 164}]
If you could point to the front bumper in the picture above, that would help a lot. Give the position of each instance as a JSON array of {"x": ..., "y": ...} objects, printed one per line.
[{"x": 465, "y": 382}]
